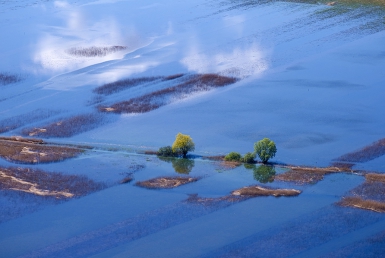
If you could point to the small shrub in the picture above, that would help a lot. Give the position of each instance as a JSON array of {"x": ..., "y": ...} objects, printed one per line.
[
  {"x": 248, "y": 158},
  {"x": 166, "y": 152},
  {"x": 233, "y": 156}
]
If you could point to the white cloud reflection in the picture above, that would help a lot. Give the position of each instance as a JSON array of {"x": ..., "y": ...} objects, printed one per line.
[
  {"x": 239, "y": 62},
  {"x": 78, "y": 32}
]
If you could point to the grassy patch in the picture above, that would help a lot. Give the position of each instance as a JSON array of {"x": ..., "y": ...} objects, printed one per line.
[
  {"x": 66, "y": 127},
  {"x": 255, "y": 191},
  {"x": 30, "y": 151},
  {"x": 365, "y": 154},
  {"x": 154, "y": 100},
  {"x": 46, "y": 184},
  {"x": 94, "y": 51},
  {"x": 166, "y": 182},
  {"x": 6, "y": 78}
]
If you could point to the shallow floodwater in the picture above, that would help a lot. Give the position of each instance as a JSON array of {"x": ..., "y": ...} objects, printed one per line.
[
  {"x": 310, "y": 77},
  {"x": 125, "y": 219}
]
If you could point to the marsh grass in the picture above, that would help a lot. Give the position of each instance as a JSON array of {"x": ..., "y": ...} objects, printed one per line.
[
  {"x": 357, "y": 202},
  {"x": 365, "y": 154},
  {"x": 307, "y": 175},
  {"x": 94, "y": 51},
  {"x": 166, "y": 182},
  {"x": 21, "y": 139},
  {"x": 31, "y": 151},
  {"x": 360, "y": 3},
  {"x": 369, "y": 195},
  {"x": 344, "y": 3},
  {"x": 6, "y": 78},
  {"x": 46, "y": 184},
  {"x": 15, "y": 122},
  {"x": 373, "y": 188},
  {"x": 114, "y": 87},
  {"x": 67, "y": 127},
  {"x": 154, "y": 100},
  {"x": 256, "y": 190}
]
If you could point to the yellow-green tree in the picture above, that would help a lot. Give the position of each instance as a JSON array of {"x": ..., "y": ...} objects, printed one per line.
[{"x": 183, "y": 144}]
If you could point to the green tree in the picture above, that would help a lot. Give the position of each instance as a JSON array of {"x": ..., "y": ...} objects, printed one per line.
[
  {"x": 183, "y": 144},
  {"x": 265, "y": 149}
]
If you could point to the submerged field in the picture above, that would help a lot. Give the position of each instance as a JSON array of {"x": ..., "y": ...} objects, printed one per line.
[{"x": 89, "y": 91}]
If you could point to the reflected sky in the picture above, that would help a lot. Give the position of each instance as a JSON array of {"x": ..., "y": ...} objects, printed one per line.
[{"x": 165, "y": 38}]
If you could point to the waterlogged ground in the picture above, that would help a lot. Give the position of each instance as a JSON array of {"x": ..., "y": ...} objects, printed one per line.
[{"x": 113, "y": 79}]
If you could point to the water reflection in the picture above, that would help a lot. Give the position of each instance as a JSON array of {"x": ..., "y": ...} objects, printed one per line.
[
  {"x": 180, "y": 165},
  {"x": 263, "y": 173}
]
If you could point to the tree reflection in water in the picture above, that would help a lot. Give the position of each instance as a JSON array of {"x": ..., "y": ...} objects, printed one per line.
[
  {"x": 180, "y": 165},
  {"x": 263, "y": 173}
]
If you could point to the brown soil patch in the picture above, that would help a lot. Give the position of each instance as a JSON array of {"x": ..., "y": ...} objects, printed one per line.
[
  {"x": 94, "y": 51},
  {"x": 150, "y": 152},
  {"x": 206, "y": 201},
  {"x": 166, "y": 182},
  {"x": 66, "y": 127},
  {"x": 365, "y": 154},
  {"x": 372, "y": 177},
  {"x": 215, "y": 158},
  {"x": 357, "y": 202},
  {"x": 172, "y": 77},
  {"x": 222, "y": 164},
  {"x": 154, "y": 100},
  {"x": 343, "y": 165},
  {"x": 262, "y": 191},
  {"x": 46, "y": 184},
  {"x": 126, "y": 180},
  {"x": 31, "y": 151},
  {"x": 306, "y": 175},
  {"x": 227, "y": 165}
]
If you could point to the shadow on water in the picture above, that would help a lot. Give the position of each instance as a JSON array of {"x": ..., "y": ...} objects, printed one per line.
[
  {"x": 180, "y": 165},
  {"x": 263, "y": 173}
]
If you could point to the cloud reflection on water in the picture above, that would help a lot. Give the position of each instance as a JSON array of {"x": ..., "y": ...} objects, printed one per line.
[
  {"x": 240, "y": 62},
  {"x": 80, "y": 31}
]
